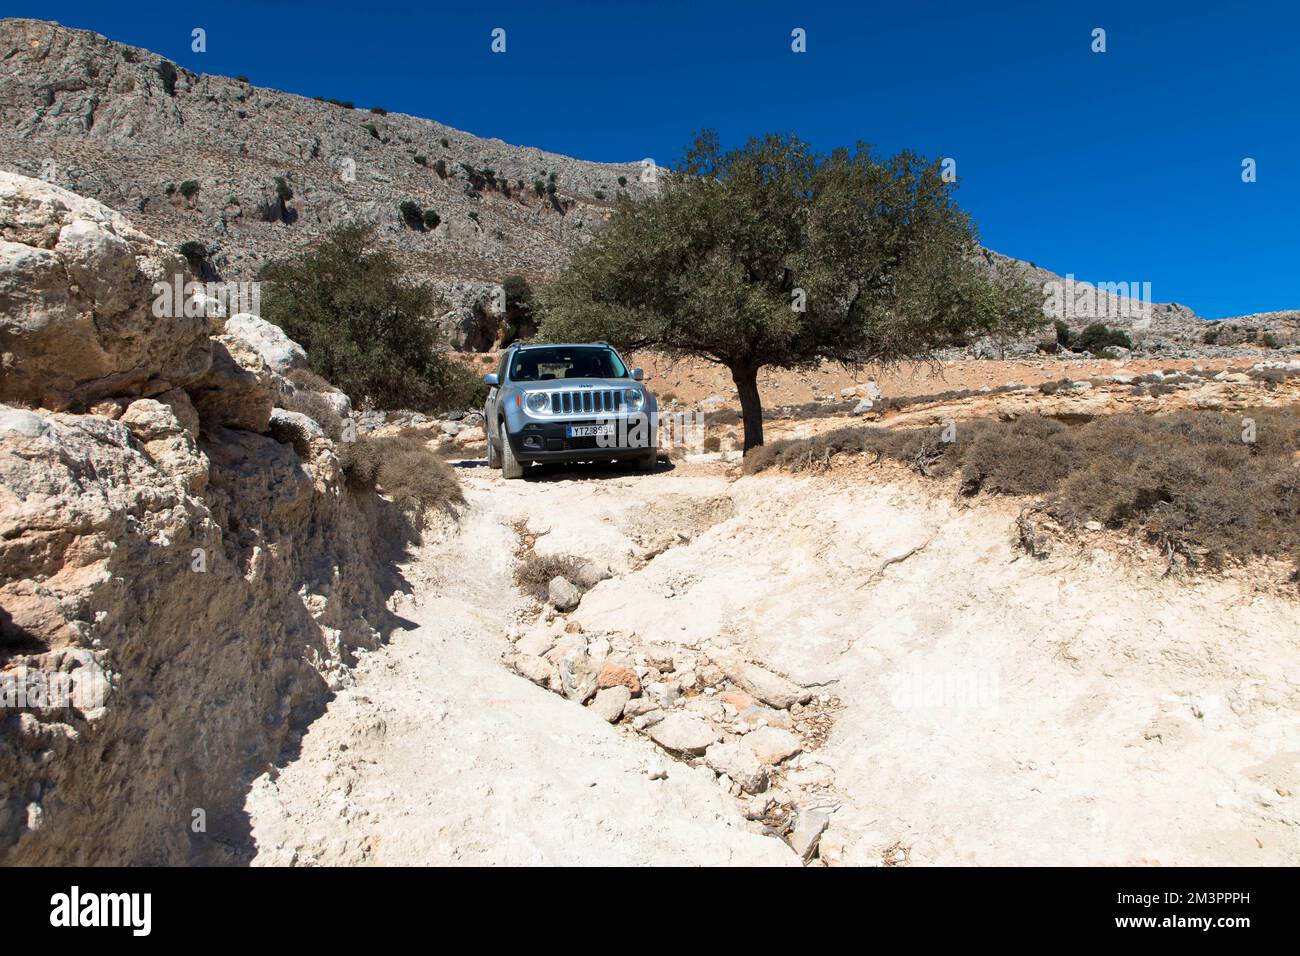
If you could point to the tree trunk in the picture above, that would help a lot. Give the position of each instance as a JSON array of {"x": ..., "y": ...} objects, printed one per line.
[{"x": 751, "y": 406}]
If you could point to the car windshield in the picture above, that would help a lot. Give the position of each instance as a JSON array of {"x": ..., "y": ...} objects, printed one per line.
[{"x": 566, "y": 361}]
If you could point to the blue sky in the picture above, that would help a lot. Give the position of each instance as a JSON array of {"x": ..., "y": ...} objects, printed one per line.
[{"x": 1115, "y": 166}]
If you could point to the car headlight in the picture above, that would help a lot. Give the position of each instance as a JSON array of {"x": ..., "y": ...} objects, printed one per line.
[
  {"x": 538, "y": 402},
  {"x": 635, "y": 399}
]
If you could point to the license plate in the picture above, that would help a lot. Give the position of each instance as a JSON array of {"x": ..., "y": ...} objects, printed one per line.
[{"x": 589, "y": 431}]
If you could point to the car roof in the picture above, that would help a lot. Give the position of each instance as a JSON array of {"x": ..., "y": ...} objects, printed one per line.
[{"x": 560, "y": 345}]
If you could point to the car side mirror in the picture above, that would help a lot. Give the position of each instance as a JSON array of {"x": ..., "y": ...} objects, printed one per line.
[
  {"x": 491, "y": 379},
  {"x": 638, "y": 375}
]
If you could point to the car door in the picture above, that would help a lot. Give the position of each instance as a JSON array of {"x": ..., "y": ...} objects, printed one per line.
[{"x": 490, "y": 405}]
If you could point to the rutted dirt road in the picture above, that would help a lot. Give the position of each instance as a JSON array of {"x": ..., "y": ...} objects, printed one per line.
[{"x": 967, "y": 703}]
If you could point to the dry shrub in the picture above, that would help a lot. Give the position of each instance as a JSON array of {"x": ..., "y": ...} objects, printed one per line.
[
  {"x": 1186, "y": 482},
  {"x": 316, "y": 407},
  {"x": 306, "y": 378},
  {"x": 403, "y": 469},
  {"x": 713, "y": 443},
  {"x": 288, "y": 432},
  {"x": 533, "y": 572}
]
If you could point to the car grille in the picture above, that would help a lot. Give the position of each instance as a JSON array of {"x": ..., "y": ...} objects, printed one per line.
[{"x": 587, "y": 401}]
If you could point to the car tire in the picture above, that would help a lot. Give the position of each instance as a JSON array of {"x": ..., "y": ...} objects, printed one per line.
[
  {"x": 511, "y": 467},
  {"x": 494, "y": 456},
  {"x": 647, "y": 462}
]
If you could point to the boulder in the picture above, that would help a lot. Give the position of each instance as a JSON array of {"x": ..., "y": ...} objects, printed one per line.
[
  {"x": 610, "y": 701},
  {"x": 684, "y": 734},
  {"x": 562, "y": 594},
  {"x": 770, "y": 688},
  {"x": 771, "y": 745},
  {"x": 79, "y": 317},
  {"x": 740, "y": 764},
  {"x": 265, "y": 340},
  {"x": 615, "y": 674}
]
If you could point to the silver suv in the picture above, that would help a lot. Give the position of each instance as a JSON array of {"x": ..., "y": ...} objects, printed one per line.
[{"x": 575, "y": 402}]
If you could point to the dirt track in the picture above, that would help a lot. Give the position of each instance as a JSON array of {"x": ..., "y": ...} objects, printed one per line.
[{"x": 981, "y": 707}]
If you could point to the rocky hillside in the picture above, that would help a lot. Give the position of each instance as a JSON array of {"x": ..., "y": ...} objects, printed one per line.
[
  {"x": 184, "y": 576},
  {"x": 253, "y": 173},
  {"x": 250, "y": 174}
]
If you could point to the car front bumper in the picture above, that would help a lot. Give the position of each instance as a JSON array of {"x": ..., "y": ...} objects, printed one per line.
[{"x": 538, "y": 441}]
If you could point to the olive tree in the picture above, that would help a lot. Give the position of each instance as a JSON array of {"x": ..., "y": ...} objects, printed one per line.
[{"x": 775, "y": 256}]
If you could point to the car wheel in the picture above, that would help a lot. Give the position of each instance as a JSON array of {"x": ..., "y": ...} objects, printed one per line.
[
  {"x": 510, "y": 466},
  {"x": 648, "y": 462},
  {"x": 494, "y": 456}
]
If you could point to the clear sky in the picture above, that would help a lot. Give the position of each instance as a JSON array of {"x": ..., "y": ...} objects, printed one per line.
[{"x": 1117, "y": 166}]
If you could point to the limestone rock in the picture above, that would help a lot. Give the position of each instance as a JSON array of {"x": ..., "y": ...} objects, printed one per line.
[{"x": 684, "y": 734}]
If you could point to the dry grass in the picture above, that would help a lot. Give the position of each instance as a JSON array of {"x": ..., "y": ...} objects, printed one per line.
[
  {"x": 533, "y": 572},
  {"x": 316, "y": 407},
  {"x": 403, "y": 469},
  {"x": 1186, "y": 482}
]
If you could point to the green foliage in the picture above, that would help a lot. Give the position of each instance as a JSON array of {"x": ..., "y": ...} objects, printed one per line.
[
  {"x": 539, "y": 187},
  {"x": 282, "y": 189},
  {"x": 1063, "y": 334},
  {"x": 189, "y": 188},
  {"x": 1270, "y": 341},
  {"x": 371, "y": 129},
  {"x": 1210, "y": 337},
  {"x": 474, "y": 216},
  {"x": 444, "y": 142},
  {"x": 1097, "y": 337},
  {"x": 411, "y": 213},
  {"x": 193, "y": 250},
  {"x": 519, "y": 294},
  {"x": 622, "y": 180},
  {"x": 431, "y": 219},
  {"x": 600, "y": 194},
  {"x": 421, "y": 160},
  {"x": 343, "y": 104},
  {"x": 379, "y": 111},
  {"x": 364, "y": 327},
  {"x": 884, "y": 263}
]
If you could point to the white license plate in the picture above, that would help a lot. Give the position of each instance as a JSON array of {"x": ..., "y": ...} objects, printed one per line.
[{"x": 589, "y": 431}]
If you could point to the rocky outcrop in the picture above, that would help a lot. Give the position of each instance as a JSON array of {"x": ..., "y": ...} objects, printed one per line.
[
  {"x": 182, "y": 582},
  {"x": 271, "y": 171}
]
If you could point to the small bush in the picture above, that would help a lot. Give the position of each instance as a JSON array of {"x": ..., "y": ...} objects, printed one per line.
[
  {"x": 282, "y": 189},
  {"x": 539, "y": 187},
  {"x": 1097, "y": 337},
  {"x": 1270, "y": 341},
  {"x": 190, "y": 188},
  {"x": 622, "y": 180},
  {"x": 474, "y": 216},
  {"x": 1210, "y": 337},
  {"x": 444, "y": 142},
  {"x": 404, "y": 470},
  {"x": 243, "y": 79},
  {"x": 1062, "y": 333},
  {"x": 431, "y": 219},
  {"x": 411, "y": 213},
  {"x": 379, "y": 111},
  {"x": 440, "y": 167},
  {"x": 193, "y": 251},
  {"x": 290, "y": 433},
  {"x": 318, "y": 408},
  {"x": 371, "y": 128},
  {"x": 422, "y": 160},
  {"x": 534, "y": 571},
  {"x": 599, "y": 194}
]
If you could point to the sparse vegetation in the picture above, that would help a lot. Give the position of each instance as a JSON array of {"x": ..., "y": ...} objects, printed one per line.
[
  {"x": 421, "y": 160},
  {"x": 189, "y": 188},
  {"x": 316, "y": 407},
  {"x": 379, "y": 111},
  {"x": 371, "y": 128},
  {"x": 1186, "y": 482},
  {"x": 440, "y": 167},
  {"x": 364, "y": 326},
  {"x": 431, "y": 219},
  {"x": 1097, "y": 337},
  {"x": 403, "y": 469},
  {"x": 282, "y": 189},
  {"x": 533, "y": 572}
]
